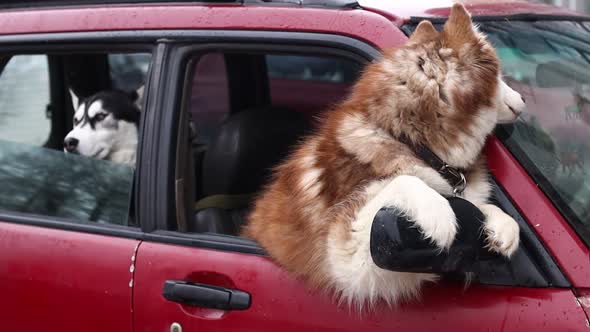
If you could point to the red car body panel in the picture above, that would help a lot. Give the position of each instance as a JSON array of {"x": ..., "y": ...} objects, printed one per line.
[
  {"x": 280, "y": 303},
  {"x": 567, "y": 248},
  {"x": 55, "y": 280}
]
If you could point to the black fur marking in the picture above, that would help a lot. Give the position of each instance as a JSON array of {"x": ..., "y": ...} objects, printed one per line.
[
  {"x": 117, "y": 103},
  {"x": 421, "y": 63}
]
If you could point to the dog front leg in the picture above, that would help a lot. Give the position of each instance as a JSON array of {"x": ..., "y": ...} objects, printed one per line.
[
  {"x": 501, "y": 231},
  {"x": 351, "y": 269},
  {"x": 429, "y": 210}
]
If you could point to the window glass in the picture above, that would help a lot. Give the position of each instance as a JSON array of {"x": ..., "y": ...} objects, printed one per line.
[
  {"x": 128, "y": 70},
  {"x": 547, "y": 63},
  {"x": 312, "y": 68},
  {"x": 48, "y": 182},
  {"x": 94, "y": 181},
  {"x": 24, "y": 96},
  {"x": 323, "y": 80}
]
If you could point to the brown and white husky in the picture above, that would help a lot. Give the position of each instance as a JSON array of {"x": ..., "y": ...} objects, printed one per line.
[{"x": 442, "y": 91}]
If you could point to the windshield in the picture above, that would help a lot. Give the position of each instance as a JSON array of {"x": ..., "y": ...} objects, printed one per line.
[{"x": 548, "y": 62}]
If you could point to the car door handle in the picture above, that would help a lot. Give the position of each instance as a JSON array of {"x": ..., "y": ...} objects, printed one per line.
[{"x": 203, "y": 295}]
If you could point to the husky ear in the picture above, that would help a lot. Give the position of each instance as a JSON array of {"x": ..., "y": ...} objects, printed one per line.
[
  {"x": 459, "y": 28},
  {"x": 423, "y": 33},
  {"x": 75, "y": 99}
]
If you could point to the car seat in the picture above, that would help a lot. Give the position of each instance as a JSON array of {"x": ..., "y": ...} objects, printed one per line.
[{"x": 239, "y": 162}]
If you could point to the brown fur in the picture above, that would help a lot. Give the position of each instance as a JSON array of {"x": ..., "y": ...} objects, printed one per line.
[{"x": 433, "y": 89}]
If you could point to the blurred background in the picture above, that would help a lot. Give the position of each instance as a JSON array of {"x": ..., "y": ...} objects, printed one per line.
[{"x": 582, "y": 6}]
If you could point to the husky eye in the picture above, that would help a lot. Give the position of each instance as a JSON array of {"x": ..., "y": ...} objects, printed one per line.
[
  {"x": 76, "y": 121},
  {"x": 100, "y": 116}
]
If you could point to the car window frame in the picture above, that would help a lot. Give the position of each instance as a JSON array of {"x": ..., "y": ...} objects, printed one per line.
[
  {"x": 177, "y": 54},
  {"x": 70, "y": 43}
]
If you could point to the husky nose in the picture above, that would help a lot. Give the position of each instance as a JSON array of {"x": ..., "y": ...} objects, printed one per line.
[{"x": 70, "y": 144}]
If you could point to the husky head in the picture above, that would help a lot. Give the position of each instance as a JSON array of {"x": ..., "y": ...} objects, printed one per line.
[
  {"x": 105, "y": 127},
  {"x": 447, "y": 89}
]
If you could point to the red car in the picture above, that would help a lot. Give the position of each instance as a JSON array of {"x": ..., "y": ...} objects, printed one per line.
[{"x": 90, "y": 245}]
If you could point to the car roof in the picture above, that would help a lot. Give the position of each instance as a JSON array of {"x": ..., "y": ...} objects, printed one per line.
[
  {"x": 398, "y": 11},
  {"x": 32, "y": 4},
  {"x": 403, "y": 10}
]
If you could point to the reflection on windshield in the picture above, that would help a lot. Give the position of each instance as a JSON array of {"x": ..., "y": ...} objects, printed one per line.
[
  {"x": 49, "y": 182},
  {"x": 548, "y": 63}
]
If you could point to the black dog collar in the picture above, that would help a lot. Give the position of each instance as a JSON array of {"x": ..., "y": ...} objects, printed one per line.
[{"x": 454, "y": 176}]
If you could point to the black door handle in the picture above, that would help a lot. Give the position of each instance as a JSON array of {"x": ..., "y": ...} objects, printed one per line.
[{"x": 205, "y": 295}]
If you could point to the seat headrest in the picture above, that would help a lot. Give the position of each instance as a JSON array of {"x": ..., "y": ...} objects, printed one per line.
[{"x": 248, "y": 145}]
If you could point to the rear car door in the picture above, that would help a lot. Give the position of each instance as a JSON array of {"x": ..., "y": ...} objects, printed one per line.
[
  {"x": 194, "y": 272},
  {"x": 67, "y": 238}
]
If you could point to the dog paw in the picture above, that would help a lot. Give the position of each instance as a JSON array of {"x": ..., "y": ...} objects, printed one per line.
[
  {"x": 501, "y": 231},
  {"x": 430, "y": 211},
  {"x": 437, "y": 220}
]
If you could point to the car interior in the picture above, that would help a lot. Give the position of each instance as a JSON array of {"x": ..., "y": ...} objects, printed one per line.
[{"x": 237, "y": 143}]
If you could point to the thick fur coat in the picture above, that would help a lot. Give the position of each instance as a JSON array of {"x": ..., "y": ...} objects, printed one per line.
[
  {"x": 442, "y": 90},
  {"x": 106, "y": 127}
]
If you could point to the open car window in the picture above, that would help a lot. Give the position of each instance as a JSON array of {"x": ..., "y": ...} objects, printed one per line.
[
  {"x": 246, "y": 111},
  {"x": 244, "y": 144}
]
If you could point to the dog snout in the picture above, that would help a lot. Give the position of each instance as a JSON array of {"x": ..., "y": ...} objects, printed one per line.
[
  {"x": 517, "y": 112},
  {"x": 71, "y": 144}
]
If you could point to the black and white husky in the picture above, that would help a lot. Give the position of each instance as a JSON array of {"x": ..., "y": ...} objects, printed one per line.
[{"x": 106, "y": 126}]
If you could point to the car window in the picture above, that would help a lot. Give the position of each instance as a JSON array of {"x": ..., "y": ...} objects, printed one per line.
[
  {"x": 323, "y": 80},
  {"x": 547, "y": 63},
  {"x": 128, "y": 70},
  {"x": 209, "y": 97},
  {"x": 47, "y": 182},
  {"x": 43, "y": 180},
  {"x": 235, "y": 147},
  {"x": 24, "y": 97},
  {"x": 312, "y": 68}
]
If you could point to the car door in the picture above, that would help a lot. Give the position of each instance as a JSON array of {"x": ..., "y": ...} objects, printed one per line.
[
  {"x": 194, "y": 272},
  {"x": 67, "y": 242},
  {"x": 64, "y": 280}
]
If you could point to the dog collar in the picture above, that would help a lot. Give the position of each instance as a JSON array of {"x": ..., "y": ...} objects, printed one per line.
[{"x": 454, "y": 176}]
